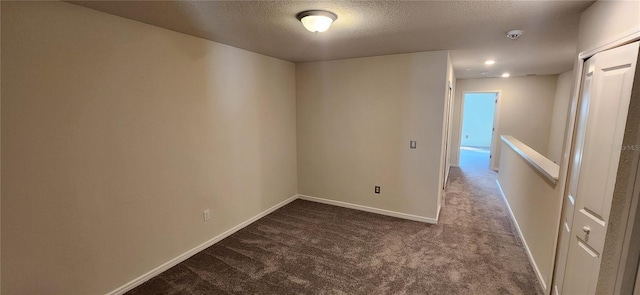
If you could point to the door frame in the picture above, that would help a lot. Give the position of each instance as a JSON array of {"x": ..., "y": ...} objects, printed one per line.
[
  {"x": 626, "y": 38},
  {"x": 449, "y": 105},
  {"x": 493, "y": 165}
]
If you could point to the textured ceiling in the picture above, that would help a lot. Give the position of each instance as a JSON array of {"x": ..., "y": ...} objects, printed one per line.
[{"x": 473, "y": 30}]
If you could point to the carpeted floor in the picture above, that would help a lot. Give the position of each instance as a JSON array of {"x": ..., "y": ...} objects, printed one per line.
[{"x": 311, "y": 248}]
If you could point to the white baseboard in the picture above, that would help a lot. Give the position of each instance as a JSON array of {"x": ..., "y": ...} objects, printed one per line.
[
  {"x": 369, "y": 209},
  {"x": 182, "y": 257},
  {"x": 526, "y": 246}
]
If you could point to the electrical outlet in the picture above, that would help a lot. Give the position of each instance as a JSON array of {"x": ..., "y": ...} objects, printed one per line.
[
  {"x": 206, "y": 214},
  {"x": 377, "y": 189}
]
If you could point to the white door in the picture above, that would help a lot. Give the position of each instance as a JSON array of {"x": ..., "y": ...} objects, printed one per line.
[
  {"x": 568, "y": 204},
  {"x": 603, "y": 108}
]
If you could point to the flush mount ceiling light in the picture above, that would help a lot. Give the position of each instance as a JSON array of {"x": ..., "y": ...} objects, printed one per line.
[
  {"x": 489, "y": 62},
  {"x": 316, "y": 21},
  {"x": 514, "y": 34},
  {"x": 506, "y": 75}
]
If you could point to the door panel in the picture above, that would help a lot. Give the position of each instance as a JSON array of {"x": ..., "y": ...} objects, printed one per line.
[
  {"x": 579, "y": 283},
  {"x": 568, "y": 204},
  {"x": 587, "y": 225},
  {"x": 579, "y": 143},
  {"x": 607, "y": 117},
  {"x": 598, "y": 140}
]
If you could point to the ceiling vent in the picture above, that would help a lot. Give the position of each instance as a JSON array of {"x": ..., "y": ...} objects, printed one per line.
[{"x": 514, "y": 34}]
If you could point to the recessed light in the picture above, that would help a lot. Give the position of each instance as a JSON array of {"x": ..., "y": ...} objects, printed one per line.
[
  {"x": 489, "y": 62},
  {"x": 484, "y": 73},
  {"x": 505, "y": 75}
]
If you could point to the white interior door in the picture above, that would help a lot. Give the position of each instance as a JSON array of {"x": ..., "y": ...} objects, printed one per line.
[
  {"x": 603, "y": 108},
  {"x": 568, "y": 204}
]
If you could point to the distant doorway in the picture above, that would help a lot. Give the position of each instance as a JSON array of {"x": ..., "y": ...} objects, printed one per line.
[{"x": 478, "y": 132}]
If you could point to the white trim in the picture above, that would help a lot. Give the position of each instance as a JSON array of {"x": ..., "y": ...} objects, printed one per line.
[
  {"x": 629, "y": 36},
  {"x": 184, "y": 256},
  {"x": 542, "y": 164},
  {"x": 524, "y": 242},
  {"x": 369, "y": 209}
]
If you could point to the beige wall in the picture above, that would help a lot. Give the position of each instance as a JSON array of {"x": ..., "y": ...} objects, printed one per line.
[
  {"x": 560, "y": 116},
  {"x": 355, "y": 120},
  {"x": 607, "y": 21},
  {"x": 535, "y": 205},
  {"x": 525, "y": 109},
  {"x": 116, "y": 135}
]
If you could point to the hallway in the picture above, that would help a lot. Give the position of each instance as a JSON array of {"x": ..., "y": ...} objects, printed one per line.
[{"x": 473, "y": 204}]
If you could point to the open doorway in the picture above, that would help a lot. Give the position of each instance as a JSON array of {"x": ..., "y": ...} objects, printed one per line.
[{"x": 478, "y": 133}]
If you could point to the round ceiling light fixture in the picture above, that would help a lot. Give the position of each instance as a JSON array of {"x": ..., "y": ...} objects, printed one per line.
[
  {"x": 316, "y": 21},
  {"x": 514, "y": 34},
  {"x": 506, "y": 75}
]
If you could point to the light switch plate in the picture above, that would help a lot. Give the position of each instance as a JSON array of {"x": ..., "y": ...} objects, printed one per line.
[{"x": 413, "y": 144}]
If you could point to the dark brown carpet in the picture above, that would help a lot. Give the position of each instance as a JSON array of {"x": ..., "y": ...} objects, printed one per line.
[{"x": 311, "y": 248}]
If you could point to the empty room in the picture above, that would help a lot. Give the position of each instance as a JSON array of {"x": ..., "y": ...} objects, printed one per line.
[{"x": 319, "y": 147}]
